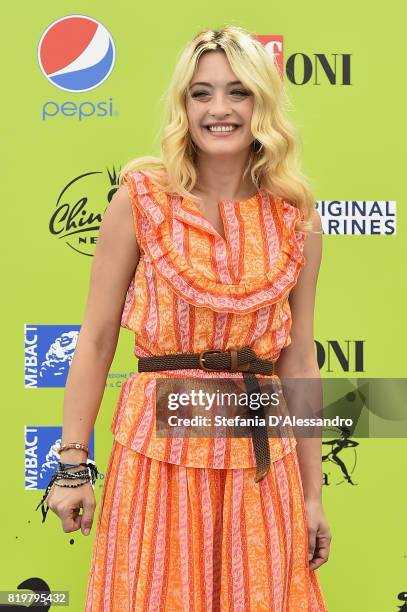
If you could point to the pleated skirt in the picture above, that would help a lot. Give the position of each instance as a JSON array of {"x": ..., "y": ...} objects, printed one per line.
[{"x": 170, "y": 537}]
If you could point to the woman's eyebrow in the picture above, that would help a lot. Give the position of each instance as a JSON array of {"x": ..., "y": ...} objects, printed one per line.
[{"x": 210, "y": 85}]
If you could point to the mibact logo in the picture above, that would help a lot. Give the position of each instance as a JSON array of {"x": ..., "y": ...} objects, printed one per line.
[
  {"x": 41, "y": 454},
  {"x": 76, "y": 53},
  {"x": 49, "y": 351}
]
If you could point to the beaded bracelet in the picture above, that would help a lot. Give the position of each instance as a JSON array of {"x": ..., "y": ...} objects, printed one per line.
[
  {"x": 76, "y": 445},
  {"x": 73, "y": 475},
  {"x": 90, "y": 474},
  {"x": 70, "y": 486}
]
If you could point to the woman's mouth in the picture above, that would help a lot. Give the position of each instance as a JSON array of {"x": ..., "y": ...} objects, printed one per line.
[{"x": 221, "y": 130}]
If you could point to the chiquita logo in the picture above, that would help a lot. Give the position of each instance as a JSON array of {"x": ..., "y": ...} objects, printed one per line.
[
  {"x": 80, "y": 208},
  {"x": 76, "y": 53}
]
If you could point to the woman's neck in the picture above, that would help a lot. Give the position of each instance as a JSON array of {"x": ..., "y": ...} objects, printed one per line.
[{"x": 220, "y": 178}]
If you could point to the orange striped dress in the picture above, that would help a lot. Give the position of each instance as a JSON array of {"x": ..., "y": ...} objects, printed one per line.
[{"x": 182, "y": 524}]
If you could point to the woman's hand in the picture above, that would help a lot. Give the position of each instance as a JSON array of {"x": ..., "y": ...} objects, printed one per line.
[
  {"x": 66, "y": 503},
  {"x": 319, "y": 535}
]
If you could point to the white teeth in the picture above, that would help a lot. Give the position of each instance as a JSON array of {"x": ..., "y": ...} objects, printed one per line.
[{"x": 222, "y": 128}]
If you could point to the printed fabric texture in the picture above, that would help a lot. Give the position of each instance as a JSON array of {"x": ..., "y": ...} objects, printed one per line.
[{"x": 194, "y": 290}]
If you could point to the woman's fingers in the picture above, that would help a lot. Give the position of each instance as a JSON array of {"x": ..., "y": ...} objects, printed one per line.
[
  {"x": 67, "y": 504},
  {"x": 311, "y": 542},
  {"x": 321, "y": 551},
  {"x": 89, "y": 506},
  {"x": 70, "y": 518},
  {"x": 319, "y": 534}
]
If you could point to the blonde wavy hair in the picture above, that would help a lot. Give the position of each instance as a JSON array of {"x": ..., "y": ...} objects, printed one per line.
[{"x": 274, "y": 159}]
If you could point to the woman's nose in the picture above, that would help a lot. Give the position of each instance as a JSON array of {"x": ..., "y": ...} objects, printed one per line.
[{"x": 220, "y": 104}]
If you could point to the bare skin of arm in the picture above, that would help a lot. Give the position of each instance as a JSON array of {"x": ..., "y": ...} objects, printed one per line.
[
  {"x": 114, "y": 263},
  {"x": 298, "y": 360}
]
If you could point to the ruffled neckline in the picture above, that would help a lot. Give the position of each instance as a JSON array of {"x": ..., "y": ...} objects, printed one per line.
[
  {"x": 191, "y": 283},
  {"x": 186, "y": 207}
]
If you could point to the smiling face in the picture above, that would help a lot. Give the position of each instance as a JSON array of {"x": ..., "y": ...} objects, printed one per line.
[{"x": 216, "y": 96}]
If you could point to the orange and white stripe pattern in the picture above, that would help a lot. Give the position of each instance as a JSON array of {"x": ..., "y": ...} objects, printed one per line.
[
  {"x": 134, "y": 422},
  {"x": 194, "y": 290},
  {"x": 182, "y": 525},
  {"x": 175, "y": 538}
]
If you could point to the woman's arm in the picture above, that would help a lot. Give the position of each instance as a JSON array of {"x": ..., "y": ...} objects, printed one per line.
[
  {"x": 298, "y": 360},
  {"x": 114, "y": 263},
  {"x": 115, "y": 260}
]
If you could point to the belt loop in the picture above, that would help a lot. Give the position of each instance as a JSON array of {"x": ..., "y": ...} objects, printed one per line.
[{"x": 233, "y": 360}]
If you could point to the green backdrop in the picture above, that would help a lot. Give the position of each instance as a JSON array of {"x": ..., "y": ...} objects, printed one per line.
[{"x": 351, "y": 133}]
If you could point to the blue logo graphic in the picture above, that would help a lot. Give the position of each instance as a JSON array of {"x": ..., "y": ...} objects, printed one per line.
[
  {"x": 81, "y": 111},
  {"x": 76, "y": 53},
  {"x": 49, "y": 350},
  {"x": 41, "y": 457}
]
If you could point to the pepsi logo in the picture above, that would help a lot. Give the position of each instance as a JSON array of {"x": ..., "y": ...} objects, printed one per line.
[{"x": 76, "y": 53}]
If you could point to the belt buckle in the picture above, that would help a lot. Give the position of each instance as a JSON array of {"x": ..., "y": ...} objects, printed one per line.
[
  {"x": 202, "y": 359},
  {"x": 243, "y": 367}
]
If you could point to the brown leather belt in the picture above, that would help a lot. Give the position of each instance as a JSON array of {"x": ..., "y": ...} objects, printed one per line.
[{"x": 242, "y": 360}]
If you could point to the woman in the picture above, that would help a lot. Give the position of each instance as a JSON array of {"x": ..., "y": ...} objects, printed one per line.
[{"x": 216, "y": 247}]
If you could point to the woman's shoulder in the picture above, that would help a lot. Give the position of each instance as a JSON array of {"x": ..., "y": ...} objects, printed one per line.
[
  {"x": 152, "y": 180},
  {"x": 149, "y": 202}
]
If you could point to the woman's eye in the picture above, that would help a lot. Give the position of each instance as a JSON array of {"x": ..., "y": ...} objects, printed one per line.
[{"x": 236, "y": 92}]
